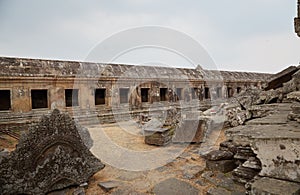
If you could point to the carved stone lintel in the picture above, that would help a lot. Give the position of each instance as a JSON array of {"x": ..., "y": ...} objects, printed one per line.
[{"x": 51, "y": 156}]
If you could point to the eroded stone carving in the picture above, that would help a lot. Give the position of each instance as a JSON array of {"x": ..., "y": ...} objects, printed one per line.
[{"x": 52, "y": 155}]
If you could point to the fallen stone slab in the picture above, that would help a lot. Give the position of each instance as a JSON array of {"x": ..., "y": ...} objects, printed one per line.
[
  {"x": 276, "y": 117},
  {"x": 283, "y": 76},
  {"x": 223, "y": 166},
  {"x": 272, "y": 186},
  {"x": 174, "y": 186},
  {"x": 190, "y": 131},
  {"x": 109, "y": 185}
]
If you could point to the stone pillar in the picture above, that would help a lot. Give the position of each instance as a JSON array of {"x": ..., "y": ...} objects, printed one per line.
[
  {"x": 86, "y": 96},
  {"x": 57, "y": 98},
  {"x": 297, "y": 20},
  {"x": 20, "y": 99}
]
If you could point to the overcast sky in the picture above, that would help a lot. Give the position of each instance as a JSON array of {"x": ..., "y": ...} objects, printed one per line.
[{"x": 242, "y": 35}]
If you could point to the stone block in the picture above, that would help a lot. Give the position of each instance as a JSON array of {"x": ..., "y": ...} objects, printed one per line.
[
  {"x": 221, "y": 165},
  {"x": 272, "y": 186},
  {"x": 190, "y": 131},
  {"x": 159, "y": 136},
  {"x": 216, "y": 155}
]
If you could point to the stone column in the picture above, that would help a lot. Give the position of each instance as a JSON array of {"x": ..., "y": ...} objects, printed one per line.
[
  {"x": 21, "y": 99},
  {"x": 297, "y": 20}
]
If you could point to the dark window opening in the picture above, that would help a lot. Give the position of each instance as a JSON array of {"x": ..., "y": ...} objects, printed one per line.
[
  {"x": 124, "y": 95},
  {"x": 206, "y": 93},
  {"x": 5, "y": 100},
  {"x": 163, "y": 94},
  {"x": 39, "y": 98},
  {"x": 71, "y": 97},
  {"x": 145, "y": 94},
  {"x": 219, "y": 92},
  {"x": 179, "y": 93},
  {"x": 229, "y": 92},
  {"x": 238, "y": 89},
  {"x": 100, "y": 96}
]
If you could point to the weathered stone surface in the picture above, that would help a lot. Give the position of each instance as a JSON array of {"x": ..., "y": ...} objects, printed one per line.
[
  {"x": 236, "y": 116},
  {"x": 51, "y": 156},
  {"x": 279, "y": 157},
  {"x": 190, "y": 131},
  {"x": 294, "y": 115},
  {"x": 284, "y": 76},
  {"x": 243, "y": 174},
  {"x": 174, "y": 186},
  {"x": 295, "y": 96},
  {"x": 252, "y": 163},
  {"x": 272, "y": 186},
  {"x": 244, "y": 152},
  {"x": 216, "y": 155},
  {"x": 123, "y": 190},
  {"x": 276, "y": 117},
  {"x": 223, "y": 166},
  {"x": 228, "y": 146},
  {"x": 248, "y": 98},
  {"x": 259, "y": 111},
  {"x": 218, "y": 191},
  {"x": 159, "y": 136},
  {"x": 191, "y": 172},
  {"x": 160, "y": 132}
]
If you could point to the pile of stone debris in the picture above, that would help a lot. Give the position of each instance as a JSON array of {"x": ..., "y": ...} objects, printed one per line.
[{"x": 263, "y": 141}]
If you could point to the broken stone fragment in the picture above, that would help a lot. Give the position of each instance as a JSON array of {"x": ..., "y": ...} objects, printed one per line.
[
  {"x": 219, "y": 155},
  {"x": 109, "y": 185},
  {"x": 223, "y": 166}
]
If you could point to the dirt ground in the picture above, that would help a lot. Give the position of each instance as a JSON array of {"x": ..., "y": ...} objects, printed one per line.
[{"x": 187, "y": 165}]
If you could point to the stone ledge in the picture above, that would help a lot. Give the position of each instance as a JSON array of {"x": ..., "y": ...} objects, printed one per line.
[{"x": 272, "y": 186}]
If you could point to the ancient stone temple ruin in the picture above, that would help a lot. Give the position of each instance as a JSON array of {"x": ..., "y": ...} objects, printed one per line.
[{"x": 93, "y": 91}]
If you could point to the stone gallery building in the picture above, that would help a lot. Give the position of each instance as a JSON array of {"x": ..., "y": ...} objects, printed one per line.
[{"x": 31, "y": 87}]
